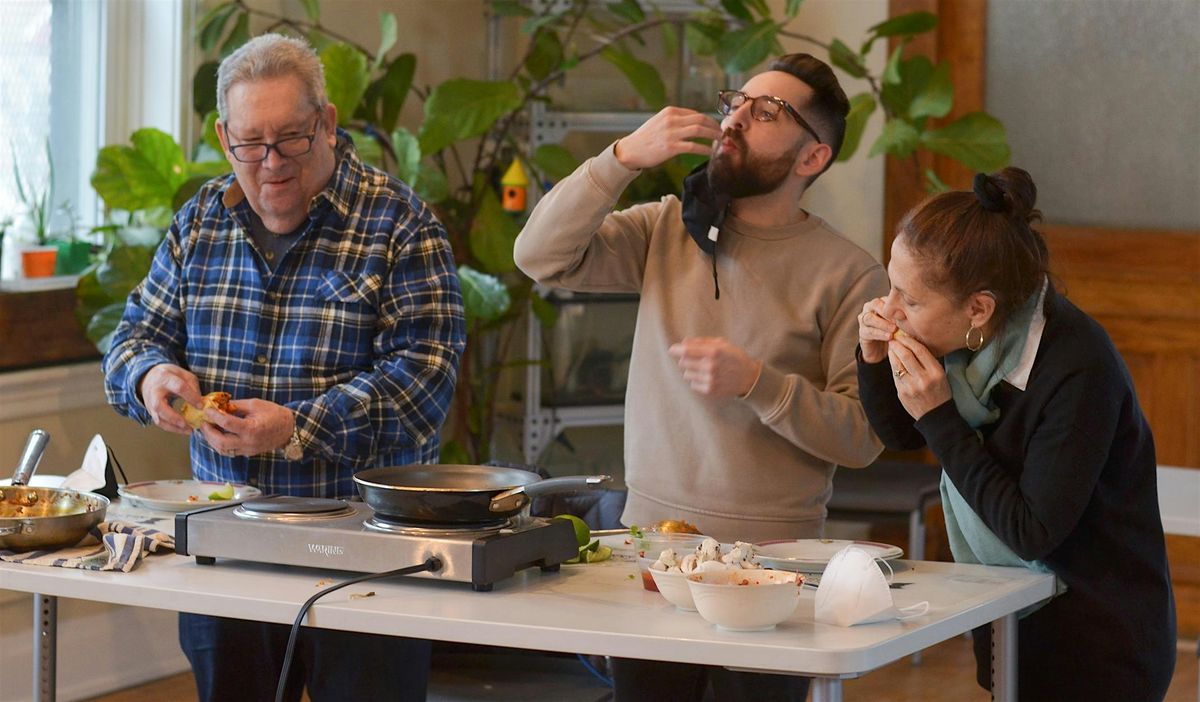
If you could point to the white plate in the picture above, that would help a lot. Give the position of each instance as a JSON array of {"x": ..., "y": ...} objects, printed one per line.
[
  {"x": 812, "y": 555},
  {"x": 179, "y": 495}
]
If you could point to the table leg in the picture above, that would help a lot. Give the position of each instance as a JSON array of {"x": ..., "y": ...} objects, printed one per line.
[
  {"x": 45, "y": 643},
  {"x": 826, "y": 690},
  {"x": 1004, "y": 659}
]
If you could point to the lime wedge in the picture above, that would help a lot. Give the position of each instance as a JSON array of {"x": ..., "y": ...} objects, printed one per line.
[
  {"x": 582, "y": 533},
  {"x": 225, "y": 493},
  {"x": 602, "y": 553}
]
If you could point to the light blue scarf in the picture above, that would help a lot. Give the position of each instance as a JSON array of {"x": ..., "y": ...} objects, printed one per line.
[{"x": 973, "y": 376}]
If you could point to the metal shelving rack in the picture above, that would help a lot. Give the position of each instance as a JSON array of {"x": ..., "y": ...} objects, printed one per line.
[{"x": 542, "y": 423}]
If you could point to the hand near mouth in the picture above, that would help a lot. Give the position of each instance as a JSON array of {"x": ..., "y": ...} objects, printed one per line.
[{"x": 666, "y": 135}]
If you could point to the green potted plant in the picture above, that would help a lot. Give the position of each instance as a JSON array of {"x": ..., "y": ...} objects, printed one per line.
[
  {"x": 470, "y": 133},
  {"x": 47, "y": 230}
]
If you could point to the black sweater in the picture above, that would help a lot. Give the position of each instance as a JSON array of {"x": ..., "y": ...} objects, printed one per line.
[{"x": 1066, "y": 475}]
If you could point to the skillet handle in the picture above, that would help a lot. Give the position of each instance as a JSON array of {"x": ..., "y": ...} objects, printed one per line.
[
  {"x": 515, "y": 499},
  {"x": 35, "y": 446}
]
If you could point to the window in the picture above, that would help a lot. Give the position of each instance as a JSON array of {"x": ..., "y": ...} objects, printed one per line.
[{"x": 80, "y": 74}]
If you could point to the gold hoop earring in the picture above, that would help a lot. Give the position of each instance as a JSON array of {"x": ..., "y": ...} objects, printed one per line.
[{"x": 977, "y": 346}]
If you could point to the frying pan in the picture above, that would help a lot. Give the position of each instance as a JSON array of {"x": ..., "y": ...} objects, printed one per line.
[
  {"x": 459, "y": 494},
  {"x": 44, "y": 518}
]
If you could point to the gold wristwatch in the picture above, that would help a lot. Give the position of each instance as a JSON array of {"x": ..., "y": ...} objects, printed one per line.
[{"x": 293, "y": 451}]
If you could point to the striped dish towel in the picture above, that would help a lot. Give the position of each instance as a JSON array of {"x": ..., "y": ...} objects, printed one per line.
[{"x": 107, "y": 546}]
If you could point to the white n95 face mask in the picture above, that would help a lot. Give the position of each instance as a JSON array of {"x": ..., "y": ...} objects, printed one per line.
[{"x": 854, "y": 591}]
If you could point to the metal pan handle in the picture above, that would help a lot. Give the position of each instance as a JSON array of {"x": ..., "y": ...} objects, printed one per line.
[
  {"x": 35, "y": 446},
  {"x": 516, "y": 498}
]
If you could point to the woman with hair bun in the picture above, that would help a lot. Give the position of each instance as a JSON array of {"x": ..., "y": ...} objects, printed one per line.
[{"x": 1048, "y": 462}]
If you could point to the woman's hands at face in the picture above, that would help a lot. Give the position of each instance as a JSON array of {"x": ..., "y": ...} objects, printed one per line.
[
  {"x": 874, "y": 331},
  {"x": 921, "y": 382}
]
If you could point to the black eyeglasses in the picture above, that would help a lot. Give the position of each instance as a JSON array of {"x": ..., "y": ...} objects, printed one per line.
[
  {"x": 288, "y": 148},
  {"x": 764, "y": 108}
]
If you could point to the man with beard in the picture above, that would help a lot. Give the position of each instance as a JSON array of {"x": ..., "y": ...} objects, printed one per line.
[{"x": 742, "y": 394}]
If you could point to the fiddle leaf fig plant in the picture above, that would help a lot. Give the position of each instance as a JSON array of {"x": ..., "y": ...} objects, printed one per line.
[{"x": 471, "y": 130}]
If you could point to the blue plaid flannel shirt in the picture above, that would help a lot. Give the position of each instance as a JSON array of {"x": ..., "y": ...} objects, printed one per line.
[{"x": 358, "y": 330}]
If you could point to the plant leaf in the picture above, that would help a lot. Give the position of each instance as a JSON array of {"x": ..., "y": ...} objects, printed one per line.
[
  {"x": 977, "y": 141},
  {"x": 392, "y": 90},
  {"x": 546, "y": 55},
  {"x": 554, "y": 161},
  {"x": 312, "y": 8},
  {"x": 907, "y": 26},
  {"x": 484, "y": 297},
  {"x": 759, "y": 6},
  {"x": 544, "y": 311},
  {"x": 204, "y": 88},
  {"x": 510, "y": 8},
  {"x": 741, "y": 50},
  {"x": 212, "y": 25},
  {"x": 899, "y": 138},
  {"x": 936, "y": 97},
  {"x": 844, "y": 58},
  {"x": 629, "y": 10},
  {"x": 240, "y": 35},
  {"x": 432, "y": 185},
  {"x": 643, "y": 76},
  {"x": 934, "y": 184},
  {"x": 462, "y": 108},
  {"x": 791, "y": 8},
  {"x": 703, "y": 34},
  {"x": 141, "y": 176},
  {"x": 346, "y": 78},
  {"x": 914, "y": 75},
  {"x": 387, "y": 36},
  {"x": 101, "y": 326},
  {"x": 453, "y": 454},
  {"x": 408, "y": 155},
  {"x": 738, "y": 9},
  {"x": 493, "y": 235},
  {"x": 861, "y": 108}
]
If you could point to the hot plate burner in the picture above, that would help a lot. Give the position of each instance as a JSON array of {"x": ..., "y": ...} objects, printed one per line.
[
  {"x": 392, "y": 525},
  {"x": 285, "y": 508}
]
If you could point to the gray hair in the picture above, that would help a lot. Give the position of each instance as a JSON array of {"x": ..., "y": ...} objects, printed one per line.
[{"x": 271, "y": 56}]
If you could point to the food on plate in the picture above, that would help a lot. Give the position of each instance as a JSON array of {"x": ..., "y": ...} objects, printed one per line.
[
  {"x": 708, "y": 557},
  {"x": 194, "y": 416},
  {"x": 223, "y": 493},
  {"x": 675, "y": 526}
]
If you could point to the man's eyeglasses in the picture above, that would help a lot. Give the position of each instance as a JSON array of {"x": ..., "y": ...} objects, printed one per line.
[
  {"x": 764, "y": 108},
  {"x": 288, "y": 148}
]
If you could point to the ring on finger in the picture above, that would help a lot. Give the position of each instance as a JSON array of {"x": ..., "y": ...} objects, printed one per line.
[{"x": 901, "y": 373}]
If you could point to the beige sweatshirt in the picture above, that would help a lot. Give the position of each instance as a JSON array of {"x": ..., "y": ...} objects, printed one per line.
[{"x": 752, "y": 468}]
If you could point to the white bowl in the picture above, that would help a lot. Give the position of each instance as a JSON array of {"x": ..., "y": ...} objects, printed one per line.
[
  {"x": 648, "y": 547},
  {"x": 673, "y": 585},
  {"x": 745, "y": 600}
]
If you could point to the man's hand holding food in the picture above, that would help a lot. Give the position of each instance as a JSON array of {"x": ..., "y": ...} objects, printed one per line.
[{"x": 664, "y": 136}]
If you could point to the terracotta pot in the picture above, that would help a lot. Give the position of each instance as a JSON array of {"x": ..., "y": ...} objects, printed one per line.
[{"x": 39, "y": 261}]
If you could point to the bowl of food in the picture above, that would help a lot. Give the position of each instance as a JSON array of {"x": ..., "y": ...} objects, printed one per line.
[
  {"x": 649, "y": 545},
  {"x": 744, "y": 599},
  {"x": 673, "y": 585}
]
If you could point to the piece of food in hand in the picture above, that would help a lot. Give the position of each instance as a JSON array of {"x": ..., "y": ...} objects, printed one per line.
[
  {"x": 898, "y": 333},
  {"x": 224, "y": 493},
  {"x": 194, "y": 416},
  {"x": 675, "y": 526}
]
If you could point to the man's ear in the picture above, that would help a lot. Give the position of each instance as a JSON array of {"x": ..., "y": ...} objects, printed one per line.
[
  {"x": 223, "y": 137},
  {"x": 812, "y": 159},
  {"x": 330, "y": 122}
]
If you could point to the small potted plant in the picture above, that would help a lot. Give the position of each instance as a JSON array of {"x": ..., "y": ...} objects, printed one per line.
[{"x": 45, "y": 230}]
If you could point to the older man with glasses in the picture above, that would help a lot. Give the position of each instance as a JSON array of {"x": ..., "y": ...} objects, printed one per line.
[
  {"x": 743, "y": 395},
  {"x": 321, "y": 293}
]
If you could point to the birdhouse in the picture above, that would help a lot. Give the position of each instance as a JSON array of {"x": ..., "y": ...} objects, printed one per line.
[{"x": 515, "y": 184}]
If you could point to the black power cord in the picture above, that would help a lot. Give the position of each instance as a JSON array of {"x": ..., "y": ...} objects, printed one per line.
[{"x": 431, "y": 564}]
